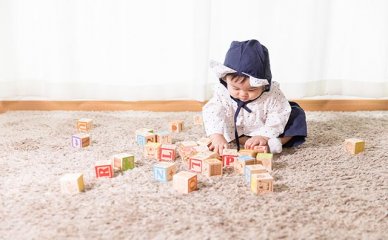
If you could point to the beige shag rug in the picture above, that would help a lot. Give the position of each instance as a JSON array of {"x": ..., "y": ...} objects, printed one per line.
[{"x": 320, "y": 191}]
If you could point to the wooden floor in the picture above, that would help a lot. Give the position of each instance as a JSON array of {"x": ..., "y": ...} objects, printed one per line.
[{"x": 179, "y": 106}]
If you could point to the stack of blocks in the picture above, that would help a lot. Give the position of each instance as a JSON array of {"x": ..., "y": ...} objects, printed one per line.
[{"x": 354, "y": 145}]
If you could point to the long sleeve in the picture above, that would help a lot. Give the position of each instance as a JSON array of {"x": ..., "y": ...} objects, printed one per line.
[{"x": 214, "y": 113}]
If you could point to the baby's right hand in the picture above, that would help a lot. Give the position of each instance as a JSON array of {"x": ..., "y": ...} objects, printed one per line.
[{"x": 218, "y": 143}]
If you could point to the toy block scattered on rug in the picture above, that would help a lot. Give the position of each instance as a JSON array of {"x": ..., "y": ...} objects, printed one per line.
[
  {"x": 104, "y": 169},
  {"x": 124, "y": 161},
  {"x": 265, "y": 159},
  {"x": 196, "y": 161},
  {"x": 142, "y": 138},
  {"x": 152, "y": 150},
  {"x": 186, "y": 149},
  {"x": 167, "y": 152},
  {"x": 253, "y": 169},
  {"x": 72, "y": 183},
  {"x": 212, "y": 167},
  {"x": 197, "y": 120},
  {"x": 80, "y": 140},
  {"x": 185, "y": 182},
  {"x": 261, "y": 149},
  {"x": 247, "y": 152},
  {"x": 176, "y": 126},
  {"x": 204, "y": 142},
  {"x": 229, "y": 156},
  {"x": 164, "y": 171},
  {"x": 84, "y": 124},
  {"x": 241, "y": 162},
  {"x": 163, "y": 137},
  {"x": 261, "y": 183},
  {"x": 354, "y": 145}
]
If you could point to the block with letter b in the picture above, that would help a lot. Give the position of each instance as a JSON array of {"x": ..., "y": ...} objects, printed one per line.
[
  {"x": 124, "y": 161},
  {"x": 84, "y": 124},
  {"x": 167, "y": 152},
  {"x": 103, "y": 169},
  {"x": 164, "y": 171},
  {"x": 185, "y": 182},
  {"x": 72, "y": 183},
  {"x": 80, "y": 140}
]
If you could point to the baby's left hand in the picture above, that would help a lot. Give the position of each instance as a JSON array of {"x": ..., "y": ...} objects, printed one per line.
[{"x": 256, "y": 141}]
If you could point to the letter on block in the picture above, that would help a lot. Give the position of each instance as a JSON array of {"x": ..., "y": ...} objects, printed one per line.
[
  {"x": 265, "y": 159},
  {"x": 164, "y": 171},
  {"x": 354, "y": 145},
  {"x": 151, "y": 150},
  {"x": 124, "y": 161},
  {"x": 144, "y": 138},
  {"x": 261, "y": 183},
  {"x": 167, "y": 152},
  {"x": 72, "y": 183},
  {"x": 228, "y": 157},
  {"x": 80, "y": 140},
  {"x": 241, "y": 162},
  {"x": 185, "y": 182},
  {"x": 212, "y": 167},
  {"x": 163, "y": 137},
  {"x": 253, "y": 169},
  {"x": 84, "y": 124},
  {"x": 104, "y": 169},
  {"x": 197, "y": 160},
  {"x": 176, "y": 126},
  {"x": 186, "y": 149}
]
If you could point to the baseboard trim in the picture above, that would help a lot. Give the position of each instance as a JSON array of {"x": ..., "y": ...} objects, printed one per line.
[{"x": 181, "y": 106}]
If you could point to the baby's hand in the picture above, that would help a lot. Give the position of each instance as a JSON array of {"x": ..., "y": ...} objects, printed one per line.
[
  {"x": 256, "y": 141},
  {"x": 218, "y": 143}
]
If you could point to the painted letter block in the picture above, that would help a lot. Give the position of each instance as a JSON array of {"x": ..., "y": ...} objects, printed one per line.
[
  {"x": 197, "y": 120},
  {"x": 124, "y": 161},
  {"x": 261, "y": 183},
  {"x": 186, "y": 149},
  {"x": 80, "y": 140},
  {"x": 197, "y": 160},
  {"x": 144, "y": 138},
  {"x": 152, "y": 150},
  {"x": 84, "y": 124},
  {"x": 164, "y": 171},
  {"x": 163, "y": 137},
  {"x": 72, "y": 183},
  {"x": 212, "y": 167},
  {"x": 185, "y": 182},
  {"x": 104, "y": 169},
  {"x": 247, "y": 152},
  {"x": 229, "y": 156},
  {"x": 354, "y": 145},
  {"x": 261, "y": 149},
  {"x": 241, "y": 162},
  {"x": 167, "y": 152},
  {"x": 176, "y": 126},
  {"x": 265, "y": 159},
  {"x": 253, "y": 169}
]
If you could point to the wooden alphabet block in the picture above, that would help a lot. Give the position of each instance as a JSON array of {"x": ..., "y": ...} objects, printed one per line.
[
  {"x": 212, "y": 167},
  {"x": 152, "y": 150},
  {"x": 104, "y": 169},
  {"x": 261, "y": 183},
  {"x": 252, "y": 169},
  {"x": 124, "y": 161},
  {"x": 72, "y": 183},
  {"x": 80, "y": 140},
  {"x": 186, "y": 149},
  {"x": 176, "y": 126},
  {"x": 84, "y": 124},
  {"x": 229, "y": 156},
  {"x": 144, "y": 138},
  {"x": 198, "y": 120},
  {"x": 241, "y": 162},
  {"x": 167, "y": 152},
  {"x": 164, "y": 171},
  {"x": 265, "y": 159},
  {"x": 354, "y": 145},
  {"x": 261, "y": 149},
  {"x": 196, "y": 161},
  {"x": 185, "y": 182},
  {"x": 247, "y": 152},
  {"x": 163, "y": 137}
]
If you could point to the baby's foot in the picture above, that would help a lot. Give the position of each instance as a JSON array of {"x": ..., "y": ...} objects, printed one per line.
[{"x": 275, "y": 146}]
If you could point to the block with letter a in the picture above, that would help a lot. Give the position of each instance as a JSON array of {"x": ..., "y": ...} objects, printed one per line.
[{"x": 104, "y": 169}]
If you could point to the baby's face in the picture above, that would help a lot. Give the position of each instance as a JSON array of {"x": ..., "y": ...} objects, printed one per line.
[{"x": 239, "y": 88}]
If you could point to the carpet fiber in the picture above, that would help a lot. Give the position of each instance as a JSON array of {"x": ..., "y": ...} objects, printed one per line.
[{"x": 320, "y": 190}]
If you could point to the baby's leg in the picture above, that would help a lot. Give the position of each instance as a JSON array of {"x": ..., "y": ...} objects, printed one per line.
[{"x": 284, "y": 140}]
